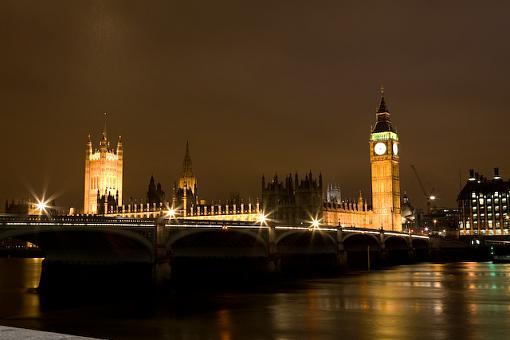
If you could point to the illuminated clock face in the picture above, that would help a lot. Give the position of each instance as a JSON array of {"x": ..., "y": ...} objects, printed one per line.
[
  {"x": 395, "y": 149},
  {"x": 380, "y": 148}
]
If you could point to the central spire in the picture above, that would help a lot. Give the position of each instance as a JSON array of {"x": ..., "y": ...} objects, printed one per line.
[
  {"x": 104, "y": 129},
  {"x": 103, "y": 143},
  {"x": 186, "y": 167}
]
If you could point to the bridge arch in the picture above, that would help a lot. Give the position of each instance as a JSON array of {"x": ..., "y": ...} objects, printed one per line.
[
  {"x": 362, "y": 248},
  {"x": 421, "y": 248},
  {"x": 311, "y": 232},
  {"x": 397, "y": 240},
  {"x": 369, "y": 236},
  {"x": 305, "y": 242},
  {"x": 86, "y": 244},
  {"x": 212, "y": 243},
  {"x": 398, "y": 249}
]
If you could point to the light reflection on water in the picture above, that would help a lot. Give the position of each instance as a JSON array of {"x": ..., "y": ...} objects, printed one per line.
[{"x": 432, "y": 301}]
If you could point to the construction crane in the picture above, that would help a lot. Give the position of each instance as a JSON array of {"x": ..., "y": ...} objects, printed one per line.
[{"x": 429, "y": 197}]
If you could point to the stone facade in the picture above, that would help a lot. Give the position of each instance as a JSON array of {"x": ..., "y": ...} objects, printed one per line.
[
  {"x": 384, "y": 150},
  {"x": 103, "y": 174},
  {"x": 293, "y": 200}
]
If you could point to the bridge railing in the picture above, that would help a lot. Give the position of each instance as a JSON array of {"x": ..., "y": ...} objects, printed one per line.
[
  {"x": 101, "y": 221},
  {"x": 72, "y": 221}
]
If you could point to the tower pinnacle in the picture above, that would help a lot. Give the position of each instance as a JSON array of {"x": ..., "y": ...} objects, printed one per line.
[
  {"x": 383, "y": 121},
  {"x": 186, "y": 167},
  {"x": 382, "y": 105},
  {"x": 104, "y": 130}
]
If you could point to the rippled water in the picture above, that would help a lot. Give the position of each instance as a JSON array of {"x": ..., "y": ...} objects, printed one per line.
[{"x": 423, "y": 301}]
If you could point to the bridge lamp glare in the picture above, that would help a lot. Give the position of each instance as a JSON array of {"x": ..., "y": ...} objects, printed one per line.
[
  {"x": 315, "y": 223},
  {"x": 432, "y": 197},
  {"x": 171, "y": 213},
  {"x": 41, "y": 206},
  {"x": 262, "y": 219}
]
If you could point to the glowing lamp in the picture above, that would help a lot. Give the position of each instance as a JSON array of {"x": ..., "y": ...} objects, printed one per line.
[
  {"x": 41, "y": 206},
  {"x": 171, "y": 213},
  {"x": 262, "y": 219}
]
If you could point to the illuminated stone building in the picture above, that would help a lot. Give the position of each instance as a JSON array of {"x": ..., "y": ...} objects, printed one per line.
[
  {"x": 186, "y": 194},
  {"x": 185, "y": 203},
  {"x": 103, "y": 175},
  {"x": 155, "y": 194},
  {"x": 32, "y": 207},
  {"x": 385, "y": 170},
  {"x": 293, "y": 200},
  {"x": 349, "y": 214},
  {"x": 334, "y": 194},
  {"x": 483, "y": 205}
]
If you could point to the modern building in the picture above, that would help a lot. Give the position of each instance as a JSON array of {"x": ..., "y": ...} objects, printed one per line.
[
  {"x": 483, "y": 205},
  {"x": 103, "y": 175}
]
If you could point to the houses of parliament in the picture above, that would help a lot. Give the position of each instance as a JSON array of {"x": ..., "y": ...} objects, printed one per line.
[{"x": 291, "y": 200}]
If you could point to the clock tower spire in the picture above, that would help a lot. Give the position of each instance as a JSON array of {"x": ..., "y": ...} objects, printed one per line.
[{"x": 385, "y": 170}]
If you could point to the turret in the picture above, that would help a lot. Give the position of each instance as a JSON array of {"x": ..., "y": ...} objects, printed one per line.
[
  {"x": 187, "y": 166},
  {"x": 496, "y": 174},
  {"x": 88, "y": 148},
  {"x": 103, "y": 172},
  {"x": 120, "y": 149}
]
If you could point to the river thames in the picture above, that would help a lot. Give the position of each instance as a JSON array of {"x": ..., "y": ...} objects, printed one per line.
[{"x": 466, "y": 300}]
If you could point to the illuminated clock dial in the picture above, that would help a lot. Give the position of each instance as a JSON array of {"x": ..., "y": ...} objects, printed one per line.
[
  {"x": 395, "y": 149},
  {"x": 380, "y": 148}
]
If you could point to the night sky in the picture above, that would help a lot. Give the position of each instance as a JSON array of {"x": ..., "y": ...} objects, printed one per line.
[{"x": 256, "y": 87}]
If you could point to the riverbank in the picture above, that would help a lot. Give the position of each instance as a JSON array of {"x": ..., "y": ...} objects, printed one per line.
[{"x": 12, "y": 333}]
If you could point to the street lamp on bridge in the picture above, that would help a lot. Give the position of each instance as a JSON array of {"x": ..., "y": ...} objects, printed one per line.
[
  {"x": 171, "y": 213},
  {"x": 262, "y": 218}
]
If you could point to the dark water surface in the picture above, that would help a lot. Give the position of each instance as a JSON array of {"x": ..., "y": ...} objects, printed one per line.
[{"x": 423, "y": 301}]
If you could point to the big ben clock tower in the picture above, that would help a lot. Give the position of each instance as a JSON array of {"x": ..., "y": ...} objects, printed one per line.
[{"x": 385, "y": 164}]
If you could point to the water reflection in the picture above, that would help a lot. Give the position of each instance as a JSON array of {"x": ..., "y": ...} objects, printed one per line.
[
  {"x": 224, "y": 323},
  {"x": 439, "y": 301}
]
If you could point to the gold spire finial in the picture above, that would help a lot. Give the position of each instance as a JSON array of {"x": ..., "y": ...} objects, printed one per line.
[
  {"x": 382, "y": 105},
  {"x": 105, "y": 116}
]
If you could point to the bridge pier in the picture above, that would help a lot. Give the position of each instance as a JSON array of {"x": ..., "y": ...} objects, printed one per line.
[
  {"x": 161, "y": 272},
  {"x": 341, "y": 253},
  {"x": 274, "y": 260},
  {"x": 161, "y": 268},
  {"x": 411, "y": 252},
  {"x": 383, "y": 255}
]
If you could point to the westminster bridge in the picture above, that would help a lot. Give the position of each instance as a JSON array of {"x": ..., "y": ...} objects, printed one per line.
[{"x": 91, "y": 240}]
